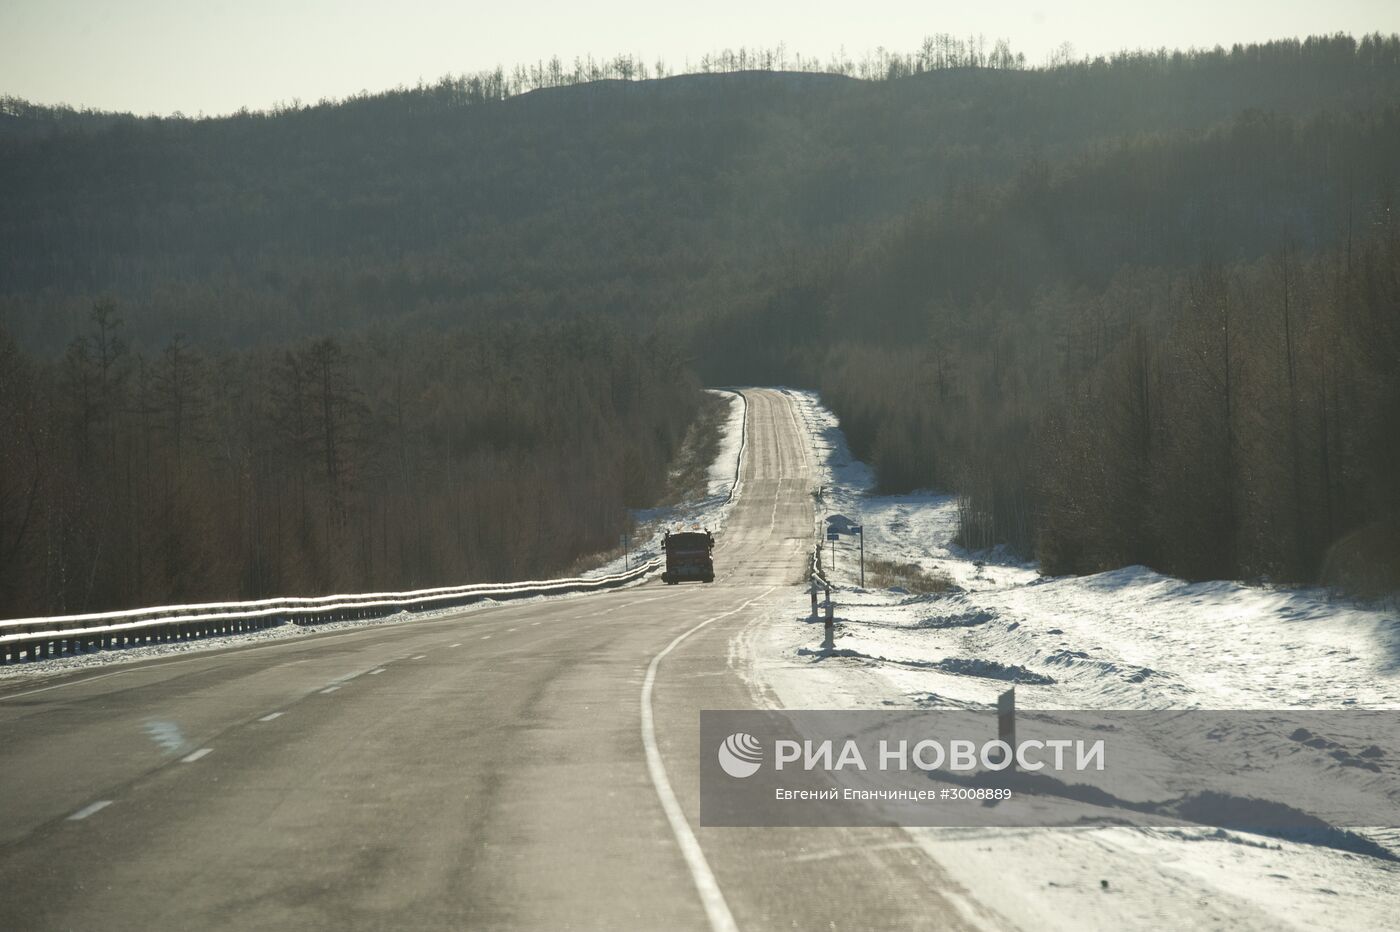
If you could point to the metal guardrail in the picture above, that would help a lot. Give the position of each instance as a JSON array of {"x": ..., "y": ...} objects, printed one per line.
[
  {"x": 743, "y": 445},
  {"x": 41, "y": 638},
  {"x": 815, "y": 570}
]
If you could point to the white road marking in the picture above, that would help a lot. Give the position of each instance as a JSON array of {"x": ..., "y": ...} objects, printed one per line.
[
  {"x": 329, "y": 689},
  {"x": 191, "y": 758},
  {"x": 512, "y": 629},
  {"x": 420, "y": 657},
  {"x": 376, "y": 672},
  {"x": 270, "y": 716},
  {"x": 88, "y": 810},
  {"x": 486, "y": 637},
  {"x": 456, "y": 645},
  {"x": 721, "y": 919}
]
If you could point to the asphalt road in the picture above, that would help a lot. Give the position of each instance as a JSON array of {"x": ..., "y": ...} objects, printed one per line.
[{"x": 530, "y": 766}]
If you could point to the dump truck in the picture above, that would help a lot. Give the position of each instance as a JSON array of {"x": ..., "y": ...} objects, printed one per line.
[{"x": 689, "y": 555}]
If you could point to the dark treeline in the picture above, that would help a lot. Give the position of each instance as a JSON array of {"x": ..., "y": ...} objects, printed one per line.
[
  {"x": 1253, "y": 432},
  {"x": 939, "y": 52},
  {"x": 383, "y": 461},
  {"x": 1237, "y": 420},
  {"x": 935, "y": 53},
  {"x": 1137, "y": 308}
]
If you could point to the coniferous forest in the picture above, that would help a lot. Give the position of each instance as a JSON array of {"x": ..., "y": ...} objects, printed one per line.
[{"x": 1143, "y": 309}]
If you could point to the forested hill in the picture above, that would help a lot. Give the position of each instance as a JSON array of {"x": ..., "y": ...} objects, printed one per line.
[
  {"x": 1144, "y": 309},
  {"x": 1183, "y": 352},
  {"x": 671, "y": 196}
]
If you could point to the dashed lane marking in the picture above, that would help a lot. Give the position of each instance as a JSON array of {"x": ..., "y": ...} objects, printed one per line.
[
  {"x": 89, "y": 809},
  {"x": 191, "y": 758}
]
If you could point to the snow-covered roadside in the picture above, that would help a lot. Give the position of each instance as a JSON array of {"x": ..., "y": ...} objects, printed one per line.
[
  {"x": 709, "y": 511},
  {"x": 1128, "y": 639}
]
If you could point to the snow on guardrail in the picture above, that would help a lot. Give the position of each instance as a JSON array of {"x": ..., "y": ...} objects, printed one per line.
[{"x": 39, "y": 638}]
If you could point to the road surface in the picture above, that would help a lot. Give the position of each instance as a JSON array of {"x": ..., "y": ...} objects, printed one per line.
[{"x": 529, "y": 766}]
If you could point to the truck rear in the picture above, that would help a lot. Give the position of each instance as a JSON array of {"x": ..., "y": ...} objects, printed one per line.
[{"x": 689, "y": 556}]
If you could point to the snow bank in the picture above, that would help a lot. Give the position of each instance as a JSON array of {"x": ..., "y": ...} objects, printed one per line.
[
  {"x": 1130, "y": 638},
  {"x": 724, "y": 471}
]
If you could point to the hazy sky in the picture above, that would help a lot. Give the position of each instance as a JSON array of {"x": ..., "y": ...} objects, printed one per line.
[{"x": 158, "y": 56}]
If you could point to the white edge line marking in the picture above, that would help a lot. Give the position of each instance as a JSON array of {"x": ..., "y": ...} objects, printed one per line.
[
  {"x": 329, "y": 689},
  {"x": 716, "y": 909},
  {"x": 420, "y": 657},
  {"x": 376, "y": 672},
  {"x": 88, "y": 810},
  {"x": 270, "y": 716},
  {"x": 191, "y": 758}
]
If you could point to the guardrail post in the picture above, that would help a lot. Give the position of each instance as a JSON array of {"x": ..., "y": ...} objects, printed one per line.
[{"x": 829, "y": 642}]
